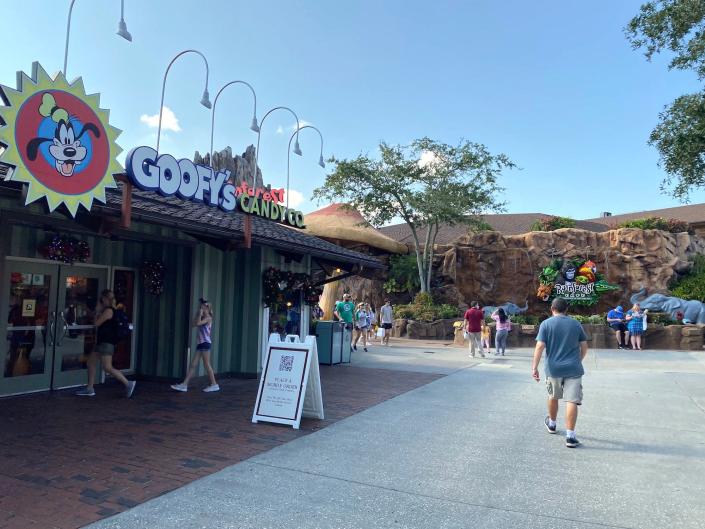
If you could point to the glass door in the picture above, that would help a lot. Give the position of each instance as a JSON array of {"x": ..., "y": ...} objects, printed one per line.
[
  {"x": 28, "y": 309},
  {"x": 78, "y": 293}
]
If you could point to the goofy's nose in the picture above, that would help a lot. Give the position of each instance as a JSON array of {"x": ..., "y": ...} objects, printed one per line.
[{"x": 69, "y": 152}]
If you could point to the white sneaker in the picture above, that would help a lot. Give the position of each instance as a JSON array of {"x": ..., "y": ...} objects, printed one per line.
[
  {"x": 179, "y": 387},
  {"x": 211, "y": 388}
]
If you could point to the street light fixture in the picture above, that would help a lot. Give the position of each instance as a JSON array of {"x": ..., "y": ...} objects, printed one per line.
[
  {"x": 297, "y": 149},
  {"x": 205, "y": 100},
  {"x": 122, "y": 31},
  {"x": 288, "y": 157},
  {"x": 254, "y": 126}
]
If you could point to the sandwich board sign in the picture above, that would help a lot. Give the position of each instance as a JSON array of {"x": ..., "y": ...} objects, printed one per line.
[{"x": 290, "y": 385}]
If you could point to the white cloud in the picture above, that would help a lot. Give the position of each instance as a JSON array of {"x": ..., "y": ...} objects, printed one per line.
[
  {"x": 280, "y": 130},
  {"x": 296, "y": 198},
  {"x": 427, "y": 158},
  {"x": 169, "y": 120},
  {"x": 302, "y": 123}
]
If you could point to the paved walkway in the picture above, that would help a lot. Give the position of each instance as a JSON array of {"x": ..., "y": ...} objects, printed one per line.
[
  {"x": 470, "y": 450},
  {"x": 66, "y": 461}
]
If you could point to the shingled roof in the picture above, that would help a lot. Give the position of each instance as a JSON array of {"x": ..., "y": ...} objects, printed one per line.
[
  {"x": 199, "y": 219},
  {"x": 507, "y": 224},
  {"x": 692, "y": 214}
]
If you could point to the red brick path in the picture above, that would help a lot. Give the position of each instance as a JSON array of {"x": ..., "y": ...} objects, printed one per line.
[{"x": 67, "y": 461}]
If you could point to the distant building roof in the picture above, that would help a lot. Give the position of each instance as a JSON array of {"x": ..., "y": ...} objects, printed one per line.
[
  {"x": 692, "y": 214},
  {"x": 507, "y": 224}
]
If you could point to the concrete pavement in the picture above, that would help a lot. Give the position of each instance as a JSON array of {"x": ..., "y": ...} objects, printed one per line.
[{"x": 470, "y": 450}]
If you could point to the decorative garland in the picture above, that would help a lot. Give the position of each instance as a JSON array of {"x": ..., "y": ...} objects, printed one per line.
[
  {"x": 281, "y": 287},
  {"x": 153, "y": 273},
  {"x": 66, "y": 249}
]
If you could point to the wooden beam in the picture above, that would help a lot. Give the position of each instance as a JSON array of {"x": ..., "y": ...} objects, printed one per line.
[
  {"x": 126, "y": 207},
  {"x": 248, "y": 231}
]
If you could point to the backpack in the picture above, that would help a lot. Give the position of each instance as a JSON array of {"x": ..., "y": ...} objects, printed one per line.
[{"x": 121, "y": 325}]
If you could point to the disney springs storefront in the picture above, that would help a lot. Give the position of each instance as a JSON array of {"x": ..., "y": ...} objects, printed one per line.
[{"x": 69, "y": 231}]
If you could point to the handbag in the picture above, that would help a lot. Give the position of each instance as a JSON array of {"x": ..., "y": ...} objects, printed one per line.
[
  {"x": 380, "y": 332},
  {"x": 466, "y": 334}
]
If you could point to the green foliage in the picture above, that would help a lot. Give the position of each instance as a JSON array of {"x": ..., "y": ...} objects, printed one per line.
[
  {"x": 676, "y": 27},
  {"x": 479, "y": 225},
  {"x": 403, "y": 274},
  {"x": 656, "y": 223},
  {"x": 424, "y": 309},
  {"x": 660, "y": 318},
  {"x": 426, "y": 184},
  {"x": 692, "y": 286},
  {"x": 552, "y": 223},
  {"x": 527, "y": 319},
  {"x": 595, "y": 319}
]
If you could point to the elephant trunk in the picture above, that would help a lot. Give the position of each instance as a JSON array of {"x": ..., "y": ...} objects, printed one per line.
[{"x": 637, "y": 296}]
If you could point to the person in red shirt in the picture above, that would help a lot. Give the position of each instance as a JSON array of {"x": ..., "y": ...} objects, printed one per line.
[{"x": 473, "y": 326}]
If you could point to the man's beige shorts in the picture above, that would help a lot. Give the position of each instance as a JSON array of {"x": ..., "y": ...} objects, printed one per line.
[{"x": 568, "y": 389}]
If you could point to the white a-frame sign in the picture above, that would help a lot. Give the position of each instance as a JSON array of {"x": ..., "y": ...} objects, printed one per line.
[{"x": 290, "y": 385}]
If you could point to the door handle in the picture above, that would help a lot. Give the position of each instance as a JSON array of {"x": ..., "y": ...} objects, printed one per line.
[
  {"x": 52, "y": 327},
  {"x": 65, "y": 325}
]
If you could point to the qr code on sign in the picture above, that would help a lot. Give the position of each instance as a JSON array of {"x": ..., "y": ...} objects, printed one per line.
[{"x": 286, "y": 362}]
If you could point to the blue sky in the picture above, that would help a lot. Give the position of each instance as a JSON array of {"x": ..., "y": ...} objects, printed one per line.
[{"x": 554, "y": 85}]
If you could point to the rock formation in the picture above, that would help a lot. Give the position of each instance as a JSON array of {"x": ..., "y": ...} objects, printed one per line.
[
  {"x": 493, "y": 269},
  {"x": 242, "y": 166}
]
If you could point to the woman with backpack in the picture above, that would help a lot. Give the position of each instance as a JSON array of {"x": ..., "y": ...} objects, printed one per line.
[
  {"x": 203, "y": 322},
  {"x": 106, "y": 338}
]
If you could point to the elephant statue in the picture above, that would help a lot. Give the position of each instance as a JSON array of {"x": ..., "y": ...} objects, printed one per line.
[
  {"x": 511, "y": 309},
  {"x": 693, "y": 310}
]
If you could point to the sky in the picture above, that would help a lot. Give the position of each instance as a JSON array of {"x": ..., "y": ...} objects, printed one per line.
[{"x": 554, "y": 85}]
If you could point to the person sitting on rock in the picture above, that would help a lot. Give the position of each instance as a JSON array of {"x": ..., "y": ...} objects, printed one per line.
[{"x": 616, "y": 320}]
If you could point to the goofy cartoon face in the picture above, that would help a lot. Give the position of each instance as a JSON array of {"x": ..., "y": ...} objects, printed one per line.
[{"x": 66, "y": 148}]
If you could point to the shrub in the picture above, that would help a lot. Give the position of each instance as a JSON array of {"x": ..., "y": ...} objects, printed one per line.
[
  {"x": 403, "y": 311},
  {"x": 523, "y": 319},
  {"x": 552, "y": 223},
  {"x": 656, "y": 223},
  {"x": 423, "y": 299},
  {"x": 422, "y": 309},
  {"x": 692, "y": 285},
  {"x": 403, "y": 274},
  {"x": 446, "y": 312}
]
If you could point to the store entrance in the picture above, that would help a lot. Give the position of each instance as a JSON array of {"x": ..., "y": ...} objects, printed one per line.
[{"x": 49, "y": 311}]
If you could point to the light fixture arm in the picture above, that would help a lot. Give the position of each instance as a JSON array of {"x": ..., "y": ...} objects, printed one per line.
[
  {"x": 204, "y": 100},
  {"x": 215, "y": 102},
  {"x": 288, "y": 156},
  {"x": 261, "y": 123},
  {"x": 68, "y": 31}
]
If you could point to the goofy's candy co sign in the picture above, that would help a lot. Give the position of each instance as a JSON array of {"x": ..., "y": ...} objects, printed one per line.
[
  {"x": 168, "y": 176},
  {"x": 58, "y": 139}
]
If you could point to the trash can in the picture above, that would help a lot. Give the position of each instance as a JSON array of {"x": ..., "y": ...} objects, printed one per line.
[{"x": 329, "y": 340}]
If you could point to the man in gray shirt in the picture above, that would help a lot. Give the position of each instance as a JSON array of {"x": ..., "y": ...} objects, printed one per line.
[{"x": 565, "y": 343}]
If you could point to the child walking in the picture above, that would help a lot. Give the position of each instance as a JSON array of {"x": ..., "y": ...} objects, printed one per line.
[
  {"x": 203, "y": 322},
  {"x": 361, "y": 325},
  {"x": 486, "y": 336}
]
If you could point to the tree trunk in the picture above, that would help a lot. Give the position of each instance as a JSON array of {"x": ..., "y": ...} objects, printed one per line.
[
  {"x": 431, "y": 242},
  {"x": 419, "y": 260}
]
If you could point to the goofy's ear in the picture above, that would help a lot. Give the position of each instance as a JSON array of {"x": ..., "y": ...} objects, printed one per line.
[
  {"x": 92, "y": 128},
  {"x": 33, "y": 147}
]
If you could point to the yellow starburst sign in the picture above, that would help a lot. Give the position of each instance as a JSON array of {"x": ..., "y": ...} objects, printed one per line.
[{"x": 58, "y": 139}]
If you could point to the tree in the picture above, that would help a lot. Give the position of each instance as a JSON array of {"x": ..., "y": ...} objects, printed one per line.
[
  {"x": 677, "y": 27},
  {"x": 425, "y": 184}
]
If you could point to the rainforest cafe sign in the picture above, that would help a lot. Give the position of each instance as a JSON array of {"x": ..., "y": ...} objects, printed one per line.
[{"x": 183, "y": 178}]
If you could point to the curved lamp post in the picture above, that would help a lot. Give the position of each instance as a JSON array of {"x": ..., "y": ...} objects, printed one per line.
[
  {"x": 297, "y": 149},
  {"x": 288, "y": 157},
  {"x": 205, "y": 101},
  {"x": 254, "y": 126},
  {"x": 122, "y": 30}
]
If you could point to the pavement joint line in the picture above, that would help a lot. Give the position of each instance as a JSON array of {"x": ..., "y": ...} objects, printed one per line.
[
  {"x": 695, "y": 402},
  {"x": 430, "y": 497}
]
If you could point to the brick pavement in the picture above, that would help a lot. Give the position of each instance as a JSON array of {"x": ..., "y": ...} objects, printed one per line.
[{"x": 67, "y": 461}]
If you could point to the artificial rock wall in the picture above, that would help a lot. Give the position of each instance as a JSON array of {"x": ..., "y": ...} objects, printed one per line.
[{"x": 493, "y": 268}]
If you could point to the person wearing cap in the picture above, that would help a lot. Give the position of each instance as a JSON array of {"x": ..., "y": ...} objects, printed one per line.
[
  {"x": 345, "y": 311},
  {"x": 565, "y": 342},
  {"x": 615, "y": 319},
  {"x": 203, "y": 322}
]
